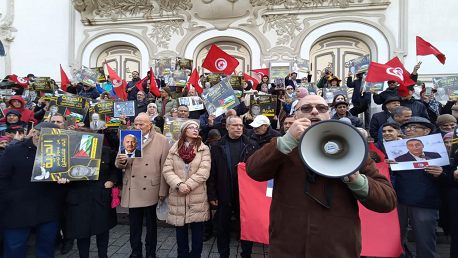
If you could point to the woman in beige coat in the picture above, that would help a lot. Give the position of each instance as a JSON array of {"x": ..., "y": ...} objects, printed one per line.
[{"x": 186, "y": 170}]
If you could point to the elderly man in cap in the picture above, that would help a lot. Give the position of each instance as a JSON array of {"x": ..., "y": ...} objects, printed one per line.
[
  {"x": 417, "y": 107},
  {"x": 30, "y": 205},
  {"x": 342, "y": 111},
  {"x": 379, "y": 119},
  {"x": 262, "y": 132},
  {"x": 446, "y": 123},
  {"x": 419, "y": 196},
  {"x": 302, "y": 226}
]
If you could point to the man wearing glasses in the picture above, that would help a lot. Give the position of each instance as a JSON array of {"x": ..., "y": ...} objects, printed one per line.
[
  {"x": 418, "y": 193},
  {"x": 299, "y": 225},
  {"x": 183, "y": 111}
]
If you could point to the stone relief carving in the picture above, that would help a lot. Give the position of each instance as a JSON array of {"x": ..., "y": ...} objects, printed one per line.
[
  {"x": 112, "y": 9},
  {"x": 162, "y": 31},
  {"x": 172, "y": 6},
  {"x": 6, "y": 25},
  {"x": 303, "y": 3},
  {"x": 285, "y": 25}
]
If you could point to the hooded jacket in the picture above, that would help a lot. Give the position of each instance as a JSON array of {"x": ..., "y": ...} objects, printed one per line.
[{"x": 26, "y": 114}]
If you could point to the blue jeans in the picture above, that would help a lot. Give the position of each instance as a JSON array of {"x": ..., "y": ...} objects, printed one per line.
[
  {"x": 423, "y": 222},
  {"x": 15, "y": 241},
  {"x": 197, "y": 229}
]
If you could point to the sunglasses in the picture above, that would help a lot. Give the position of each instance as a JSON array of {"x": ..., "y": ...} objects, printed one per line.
[{"x": 307, "y": 108}]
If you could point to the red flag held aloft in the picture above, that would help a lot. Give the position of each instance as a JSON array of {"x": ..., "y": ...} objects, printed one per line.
[
  {"x": 64, "y": 79},
  {"x": 24, "y": 82},
  {"x": 253, "y": 81},
  {"x": 195, "y": 81},
  {"x": 218, "y": 61},
  {"x": 261, "y": 72},
  {"x": 425, "y": 48},
  {"x": 118, "y": 85},
  {"x": 382, "y": 72},
  {"x": 152, "y": 84},
  {"x": 139, "y": 84}
]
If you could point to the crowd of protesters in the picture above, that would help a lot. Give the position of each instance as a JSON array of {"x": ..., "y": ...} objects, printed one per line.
[{"x": 197, "y": 175}]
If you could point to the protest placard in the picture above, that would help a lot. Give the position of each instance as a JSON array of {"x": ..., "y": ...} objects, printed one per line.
[
  {"x": 103, "y": 110},
  {"x": 184, "y": 64},
  {"x": 102, "y": 77},
  {"x": 172, "y": 128},
  {"x": 359, "y": 65},
  {"x": 193, "y": 103},
  {"x": 263, "y": 105},
  {"x": 126, "y": 108},
  {"x": 220, "y": 98},
  {"x": 418, "y": 152},
  {"x": 164, "y": 68},
  {"x": 87, "y": 76},
  {"x": 69, "y": 154},
  {"x": 330, "y": 93},
  {"x": 131, "y": 143},
  {"x": 68, "y": 105},
  {"x": 180, "y": 78},
  {"x": 301, "y": 67},
  {"x": 311, "y": 87},
  {"x": 42, "y": 84},
  {"x": 445, "y": 82}
]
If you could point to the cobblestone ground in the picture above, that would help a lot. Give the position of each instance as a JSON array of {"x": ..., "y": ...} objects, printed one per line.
[{"x": 119, "y": 246}]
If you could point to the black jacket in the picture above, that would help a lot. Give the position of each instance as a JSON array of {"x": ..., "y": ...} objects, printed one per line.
[
  {"x": 408, "y": 157},
  {"x": 379, "y": 99},
  {"x": 88, "y": 203},
  {"x": 447, "y": 109},
  {"x": 23, "y": 203},
  {"x": 377, "y": 120},
  {"x": 417, "y": 107},
  {"x": 264, "y": 139},
  {"x": 356, "y": 85},
  {"x": 139, "y": 108},
  {"x": 132, "y": 95},
  {"x": 220, "y": 184}
]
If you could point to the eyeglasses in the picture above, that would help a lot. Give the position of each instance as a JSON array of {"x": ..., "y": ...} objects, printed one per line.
[
  {"x": 306, "y": 108},
  {"x": 413, "y": 127},
  {"x": 192, "y": 128}
]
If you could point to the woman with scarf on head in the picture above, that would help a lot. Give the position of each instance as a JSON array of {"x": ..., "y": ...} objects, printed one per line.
[
  {"x": 154, "y": 116},
  {"x": 434, "y": 107},
  {"x": 186, "y": 170},
  {"x": 300, "y": 93}
]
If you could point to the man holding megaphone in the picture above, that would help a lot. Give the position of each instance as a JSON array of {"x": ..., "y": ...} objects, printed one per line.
[{"x": 314, "y": 211}]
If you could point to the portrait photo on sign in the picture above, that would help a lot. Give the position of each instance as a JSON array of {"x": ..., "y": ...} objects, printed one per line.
[
  {"x": 126, "y": 108},
  {"x": 416, "y": 153},
  {"x": 131, "y": 143}
]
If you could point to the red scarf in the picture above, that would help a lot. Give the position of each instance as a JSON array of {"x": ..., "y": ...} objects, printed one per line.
[{"x": 187, "y": 153}]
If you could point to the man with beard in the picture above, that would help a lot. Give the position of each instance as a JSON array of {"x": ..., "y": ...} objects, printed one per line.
[
  {"x": 299, "y": 225},
  {"x": 445, "y": 124},
  {"x": 130, "y": 87}
]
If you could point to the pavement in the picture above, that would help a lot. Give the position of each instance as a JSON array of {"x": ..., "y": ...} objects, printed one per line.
[{"x": 119, "y": 246}]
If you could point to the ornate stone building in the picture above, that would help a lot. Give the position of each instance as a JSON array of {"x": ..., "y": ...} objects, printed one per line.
[{"x": 131, "y": 34}]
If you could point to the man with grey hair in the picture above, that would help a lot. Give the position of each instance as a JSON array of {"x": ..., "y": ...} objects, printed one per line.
[
  {"x": 222, "y": 185},
  {"x": 96, "y": 124}
]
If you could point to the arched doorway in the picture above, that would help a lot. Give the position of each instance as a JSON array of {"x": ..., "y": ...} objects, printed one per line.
[
  {"x": 122, "y": 59},
  {"x": 335, "y": 53},
  {"x": 241, "y": 53}
]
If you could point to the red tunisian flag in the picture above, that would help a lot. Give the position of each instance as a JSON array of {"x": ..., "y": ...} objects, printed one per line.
[
  {"x": 254, "y": 82},
  {"x": 152, "y": 84},
  {"x": 24, "y": 82},
  {"x": 425, "y": 48},
  {"x": 218, "y": 61},
  {"x": 195, "y": 81},
  {"x": 261, "y": 72},
  {"x": 379, "y": 231},
  {"x": 64, "y": 79},
  {"x": 382, "y": 72},
  {"x": 118, "y": 85},
  {"x": 139, "y": 84}
]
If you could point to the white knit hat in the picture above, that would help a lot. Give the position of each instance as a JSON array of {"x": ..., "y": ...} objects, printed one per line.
[{"x": 188, "y": 123}]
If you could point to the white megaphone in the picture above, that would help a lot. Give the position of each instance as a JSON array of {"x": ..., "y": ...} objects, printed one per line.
[{"x": 333, "y": 149}]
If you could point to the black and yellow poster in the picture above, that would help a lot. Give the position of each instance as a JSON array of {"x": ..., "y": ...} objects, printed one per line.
[
  {"x": 184, "y": 64},
  {"x": 42, "y": 84},
  {"x": 180, "y": 78},
  {"x": 172, "y": 128},
  {"x": 220, "y": 98},
  {"x": 214, "y": 78},
  {"x": 263, "y": 105},
  {"x": 103, "y": 110},
  {"x": 102, "y": 77},
  {"x": 67, "y": 154},
  {"x": 87, "y": 76},
  {"x": 68, "y": 105},
  {"x": 311, "y": 87},
  {"x": 237, "y": 85},
  {"x": 164, "y": 68}
]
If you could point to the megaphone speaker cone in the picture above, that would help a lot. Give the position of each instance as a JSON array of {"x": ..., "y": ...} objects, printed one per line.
[{"x": 333, "y": 149}]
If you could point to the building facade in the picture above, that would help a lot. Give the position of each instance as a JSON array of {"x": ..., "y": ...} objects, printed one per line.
[{"x": 40, "y": 35}]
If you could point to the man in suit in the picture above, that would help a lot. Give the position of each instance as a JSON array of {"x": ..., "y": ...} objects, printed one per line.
[
  {"x": 130, "y": 144},
  {"x": 96, "y": 124},
  {"x": 416, "y": 153}
]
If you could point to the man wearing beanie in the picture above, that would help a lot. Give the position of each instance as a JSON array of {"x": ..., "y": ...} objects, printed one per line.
[
  {"x": 445, "y": 124},
  {"x": 17, "y": 103},
  {"x": 14, "y": 117},
  {"x": 30, "y": 205}
]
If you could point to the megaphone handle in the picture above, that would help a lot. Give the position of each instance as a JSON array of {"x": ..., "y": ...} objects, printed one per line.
[{"x": 329, "y": 190}]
